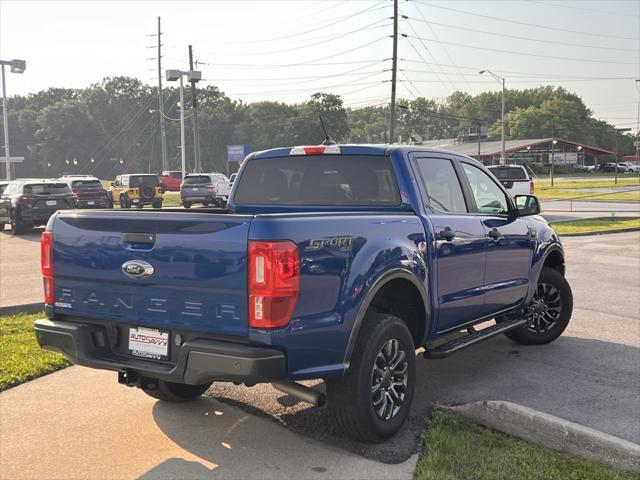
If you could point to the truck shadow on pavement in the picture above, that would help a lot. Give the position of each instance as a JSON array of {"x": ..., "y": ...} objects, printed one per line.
[{"x": 590, "y": 382}]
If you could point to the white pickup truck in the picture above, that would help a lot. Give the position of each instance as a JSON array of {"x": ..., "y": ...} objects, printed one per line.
[{"x": 514, "y": 178}]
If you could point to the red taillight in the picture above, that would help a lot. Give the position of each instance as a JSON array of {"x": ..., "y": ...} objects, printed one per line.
[
  {"x": 532, "y": 188},
  {"x": 25, "y": 200},
  {"x": 274, "y": 283},
  {"x": 46, "y": 266},
  {"x": 316, "y": 150}
]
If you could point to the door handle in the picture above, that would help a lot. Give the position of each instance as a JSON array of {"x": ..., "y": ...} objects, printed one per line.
[
  {"x": 447, "y": 233},
  {"x": 494, "y": 233}
]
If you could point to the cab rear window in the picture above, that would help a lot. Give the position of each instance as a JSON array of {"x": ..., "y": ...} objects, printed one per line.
[
  {"x": 318, "y": 180},
  {"x": 509, "y": 173},
  {"x": 45, "y": 188},
  {"x": 137, "y": 180},
  {"x": 86, "y": 184},
  {"x": 196, "y": 180}
]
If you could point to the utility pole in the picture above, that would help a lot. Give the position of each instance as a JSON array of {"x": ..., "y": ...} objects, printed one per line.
[
  {"x": 5, "y": 121},
  {"x": 196, "y": 131},
  {"x": 394, "y": 68},
  {"x": 553, "y": 150},
  {"x": 163, "y": 130}
]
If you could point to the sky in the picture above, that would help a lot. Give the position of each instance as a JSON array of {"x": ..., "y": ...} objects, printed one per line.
[{"x": 287, "y": 50}]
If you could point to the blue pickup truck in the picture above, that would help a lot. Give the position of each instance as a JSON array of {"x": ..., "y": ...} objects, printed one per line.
[{"x": 333, "y": 262}]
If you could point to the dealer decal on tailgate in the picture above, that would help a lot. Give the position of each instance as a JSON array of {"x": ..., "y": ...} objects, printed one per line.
[{"x": 149, "y": 343}]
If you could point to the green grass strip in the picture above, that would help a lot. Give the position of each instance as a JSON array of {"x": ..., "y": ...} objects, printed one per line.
[
  {"x": 595, "y": 225},
  {"x": 21, "y": 358},
  {"x": 455, "y": 449}
]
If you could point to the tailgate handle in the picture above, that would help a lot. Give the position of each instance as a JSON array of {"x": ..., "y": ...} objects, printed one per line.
[{"x": 139, "y": 238}]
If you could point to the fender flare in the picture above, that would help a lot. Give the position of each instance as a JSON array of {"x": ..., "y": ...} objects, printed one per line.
[
  {"x": 552, "y": 248},
  {"x": 381, "y": 281}
]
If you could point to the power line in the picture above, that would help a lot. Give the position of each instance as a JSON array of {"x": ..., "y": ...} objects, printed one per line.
[
  {"x": 527, "y": 54},
  {"x": 332, "y": 22},
  {"x": 309, "y": 62},
  {"x": 530, "y": 39},
  {"x": 300, "y": 47},
  {"x": 571, "y": 7},
  {"x": 511, "y": 21}
]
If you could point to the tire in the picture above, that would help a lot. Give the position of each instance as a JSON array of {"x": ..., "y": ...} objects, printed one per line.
[
  {"x": 110, "y": 203},
  {"x": 140, "y": 205},
  {"x": 174, "y": 392},
  {"x": 351, "y": 398},
  {"x": 205, "y": 204},
  {"x": 157, "y": 204},
  {"x": 147, "y": 192},
  {"x": 18, "y": 228},
  {"x": 123, "y": 202},
  {"x": 186, "y": 204},
  {"x": 549, "y": 322}
]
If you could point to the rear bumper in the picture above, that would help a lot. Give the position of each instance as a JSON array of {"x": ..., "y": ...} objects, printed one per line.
[{"x": 199, "y": 361}]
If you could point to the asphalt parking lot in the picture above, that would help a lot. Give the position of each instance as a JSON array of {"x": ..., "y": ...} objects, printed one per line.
[{"x": 589, "y": 376}]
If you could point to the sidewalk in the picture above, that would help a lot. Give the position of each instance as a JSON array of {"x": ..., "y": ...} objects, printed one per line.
[{"x": 79, "y": 423}]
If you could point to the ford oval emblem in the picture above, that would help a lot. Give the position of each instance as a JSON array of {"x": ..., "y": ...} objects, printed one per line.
[{"x": 137, "y": 269}]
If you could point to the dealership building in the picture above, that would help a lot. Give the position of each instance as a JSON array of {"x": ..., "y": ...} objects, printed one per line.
[{"x": 530, "y": 151}]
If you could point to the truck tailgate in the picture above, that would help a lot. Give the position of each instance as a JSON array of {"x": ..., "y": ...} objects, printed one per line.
[{"x": 199, "y": 278}]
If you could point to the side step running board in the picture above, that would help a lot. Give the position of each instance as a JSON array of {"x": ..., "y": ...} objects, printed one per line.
[{"x": 446, "y": 349}]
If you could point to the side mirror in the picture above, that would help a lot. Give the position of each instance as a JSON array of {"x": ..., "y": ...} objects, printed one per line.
[
  {"x": 113, "y": 184},
  {"x": 527, "y": 205}
]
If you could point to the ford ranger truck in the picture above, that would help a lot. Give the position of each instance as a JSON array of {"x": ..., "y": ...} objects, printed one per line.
[{"x": 332, "y": 262}]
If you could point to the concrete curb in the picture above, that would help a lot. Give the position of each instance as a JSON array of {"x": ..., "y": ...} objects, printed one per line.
[
  {"x": 24, "y": 308},
  {"x": 553, "y": 432},
  {"x": 601, "y": 232}
]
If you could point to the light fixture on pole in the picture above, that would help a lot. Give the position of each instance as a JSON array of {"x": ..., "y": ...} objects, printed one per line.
[
  {"x": 503, "y": 158},
  {"x": 193, "y": 76},
  {"x": 17, "y": 66}
]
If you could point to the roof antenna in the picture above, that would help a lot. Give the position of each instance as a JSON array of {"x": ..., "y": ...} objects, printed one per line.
[{"x": 328, "y": 140}]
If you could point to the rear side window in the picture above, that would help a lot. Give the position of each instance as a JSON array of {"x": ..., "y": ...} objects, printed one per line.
[
  {"x": 137, "y": 180},
  {"x": 338, "y": 180},
  {"x": 45, "y": 188},
  {"x": 197, "y": 180},
  {"x": 86, "y": 184},
  {"x": 442, "y": 185},
  {"x": 509, "y": 173}
]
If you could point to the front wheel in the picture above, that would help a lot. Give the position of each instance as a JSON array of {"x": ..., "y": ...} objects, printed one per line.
[
  {"x": 123, "y": 202},
  {"x": 173, "y": 392},
  {"x": 550, "y": 310},
  {"x": 371, "y": 401},
  {"x": 186, "y": 204}
]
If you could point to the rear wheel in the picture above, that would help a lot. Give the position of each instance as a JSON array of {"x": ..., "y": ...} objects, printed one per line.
[
  {"x": 18, "y": 228},
  {"x": 124, "y": 203},
  {"x": 157, "y": 204},
  {"x": 173, "y": 392},
  {"x": 372, "y": 400},
  {"x": 186, "y": 204},
  {"x": 550, "y": 310}
]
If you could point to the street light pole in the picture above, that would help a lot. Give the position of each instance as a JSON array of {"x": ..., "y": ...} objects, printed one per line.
[
  {"x": 503, "y": 156},
  {"x": 182, "y": 142},
  {"x": 17, "y": 66},
  {"x": 5, "y": 121},
  {"x": 618, "y": 130},
  {"x": 192, "y": 76}
]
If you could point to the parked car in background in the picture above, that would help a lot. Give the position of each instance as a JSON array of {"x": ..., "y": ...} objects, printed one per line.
[
  {"x": 198, "y": 188},
  {"x": 90, "y": 192},
  {"x": 222, "y": 187},
  {"x": 170, "y": 180},
  {"x": 28, "y": 203},
  {"x": 628, "y": 167},
  {"x": 138, "y": 189},
  {"x": 611, "y": 167},
  {"x": 514, "y": 178},
  {"x": 2, "y": 186}
]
